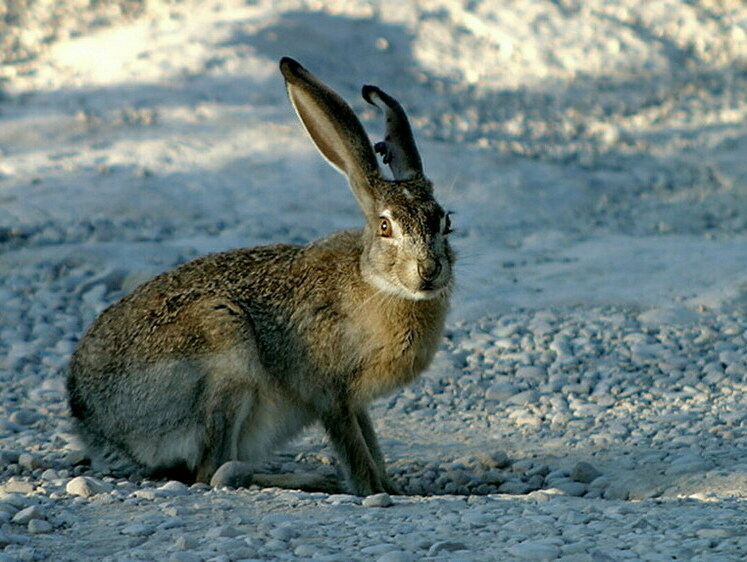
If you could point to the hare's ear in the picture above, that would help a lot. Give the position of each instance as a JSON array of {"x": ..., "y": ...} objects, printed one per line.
[
  {"x": 398, "y": 147},
  {"x": 335, "y": 130}
]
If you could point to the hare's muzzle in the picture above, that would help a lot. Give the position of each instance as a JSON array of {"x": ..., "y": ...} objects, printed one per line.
[{"x": 429, "y": 270}]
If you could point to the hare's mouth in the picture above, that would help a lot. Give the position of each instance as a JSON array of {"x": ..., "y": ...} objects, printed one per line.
[
  {"x": 425, "y": 290},
  {"x": 428, "y": 294}
]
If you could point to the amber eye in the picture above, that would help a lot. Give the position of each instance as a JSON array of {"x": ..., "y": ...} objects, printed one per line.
[{"x": 385, "y": 227}]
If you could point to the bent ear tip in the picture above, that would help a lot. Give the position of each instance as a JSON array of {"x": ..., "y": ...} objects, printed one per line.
[
  {"x": 369, "y": 92},
  {"x": 290, "y": 67}
]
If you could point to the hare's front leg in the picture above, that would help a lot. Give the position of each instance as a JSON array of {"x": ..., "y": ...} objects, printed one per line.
[
  {"x": 343, "y": 425},
  {"x": 366, "y": 425}
]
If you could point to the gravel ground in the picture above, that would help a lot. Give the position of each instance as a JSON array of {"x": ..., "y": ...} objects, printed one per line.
[
  {"x": 588, "y": 401},
  {"x": 28, "y": 26}
]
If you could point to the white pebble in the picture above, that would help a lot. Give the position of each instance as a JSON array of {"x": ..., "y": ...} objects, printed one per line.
[
  {"x": 531, "y": 550},
  {"x": 137, "y": 530},
  {"x": 378, "y": 500},
  {"x": 39, "y": 526},
  {"x": 86, "y": 486},
  {"x": 27, "y": 514}
]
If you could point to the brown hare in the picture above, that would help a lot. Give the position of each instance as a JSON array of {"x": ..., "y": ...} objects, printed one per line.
[{"x": 230, "y": 355}]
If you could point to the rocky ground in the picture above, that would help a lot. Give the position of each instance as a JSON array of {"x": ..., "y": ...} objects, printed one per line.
[{"x": 588, "y": 401}]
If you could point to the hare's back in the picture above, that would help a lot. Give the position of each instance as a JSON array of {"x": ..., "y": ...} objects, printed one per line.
[{"x": 198, "y": 308}]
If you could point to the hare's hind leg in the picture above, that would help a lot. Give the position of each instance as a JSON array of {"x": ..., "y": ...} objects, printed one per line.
[{"x": 229, "y": 412}]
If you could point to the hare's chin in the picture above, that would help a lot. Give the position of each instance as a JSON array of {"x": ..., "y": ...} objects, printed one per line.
[{"x": 397, "y": 290}]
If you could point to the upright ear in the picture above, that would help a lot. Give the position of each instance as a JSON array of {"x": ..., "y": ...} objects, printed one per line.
[
  {"x": 335, "y": 130},
  {"x": 398, "y": 147}
]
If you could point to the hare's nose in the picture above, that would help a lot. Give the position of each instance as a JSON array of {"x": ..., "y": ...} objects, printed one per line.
[{"x": 429, "y": 269}]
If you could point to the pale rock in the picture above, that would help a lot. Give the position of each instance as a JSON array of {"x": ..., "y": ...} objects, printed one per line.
[
  {"x": 378, "y": 500},
  {"x": 446, "y": 546},
  {"x": 137, "y": 530},
  {"x": 500, "y": 391},
  {"x": 87, "y": 486},
  {"x": 174, "y": 487},
  {"x": 395, "y": 556},
  {"x": 532, "y": 550},
  {"x": 584, "y": 472},
  {"x": 185, "y": 556},
  {"x": 27, "y": 514},
  {"x": 224, "y": 531},
  {"x": 30, "y": 462},
  {"x": 39, "y": 526}
]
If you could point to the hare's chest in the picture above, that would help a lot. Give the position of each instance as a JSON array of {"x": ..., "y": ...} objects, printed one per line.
[{"x": 395, "y": 359}]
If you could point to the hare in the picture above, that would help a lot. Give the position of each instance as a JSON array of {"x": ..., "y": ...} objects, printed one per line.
[{"x": 230, "y": 355}]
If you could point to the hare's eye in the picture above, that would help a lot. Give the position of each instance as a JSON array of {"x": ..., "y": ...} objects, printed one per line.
[{"x": 385, "y": 227}]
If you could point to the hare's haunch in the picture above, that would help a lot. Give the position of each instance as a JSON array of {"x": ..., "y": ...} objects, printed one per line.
[{"x": 228, "y": 356}]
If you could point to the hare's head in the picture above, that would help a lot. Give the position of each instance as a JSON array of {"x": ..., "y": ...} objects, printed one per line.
[{"x": 406, "y": 248}]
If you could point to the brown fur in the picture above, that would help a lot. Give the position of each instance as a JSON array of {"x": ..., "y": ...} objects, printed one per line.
[{"x": 231, "y": 354}]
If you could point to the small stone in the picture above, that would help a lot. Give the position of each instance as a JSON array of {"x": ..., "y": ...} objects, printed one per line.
[
  {"x": 305, "y": 550},
  {"x": 500, "y": 391},
  {"x": 39, "y": 526},
  {"x": 493, "y": 477},
  {"x": 570, "y": 487},
  {"x": 185, "y": 543},
  {"x": 185, "y": 557},
  {"x": 30, "y": 462},
  {"x": 394, "y": 556},
  {"x": 500, "y": 459},
  {"x": 717, "y": 533},
  {"x": 19, "y": 487},
  {"x": 145, "y": 494},
  {"x": 378, "y": 500},
  {"x": 25, "y": 417},
  {"x": 446, "y": 546},
  {"x": 530, "y": 550},
  {"x": 526, "y": 397},
  {"x": 50, "y": 475},
  {"x": 601, "y": 482},
  {"x": 75, "y": 457},
  {"x": 670, "y": 316},
  {"x": 687, "y": 463},
  {"x": 173, "y": 523},
  {"x": 224, "y": 531},
  {"x": 337, "y": 499},
  {"x": 584, "y": 472},
  {"x": 15, "y": 500},
  {"x": 515, "y": 487},
  {"x": 478, "y": 519},
  {"x": 535, "y": 374},
  {"x": 27, "y": 514},
  {"x": 275, "y": 544},
  {"x": 8, "y": 457},
  {"x": 87, "y": 486},
  {"x": 283, "y": 533},
  {"x": 137, "y": 530},
  {"x": 233, "y": 474},
  {"x": 617, "y": 491},
  {"x": 174, "y": 487}
]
